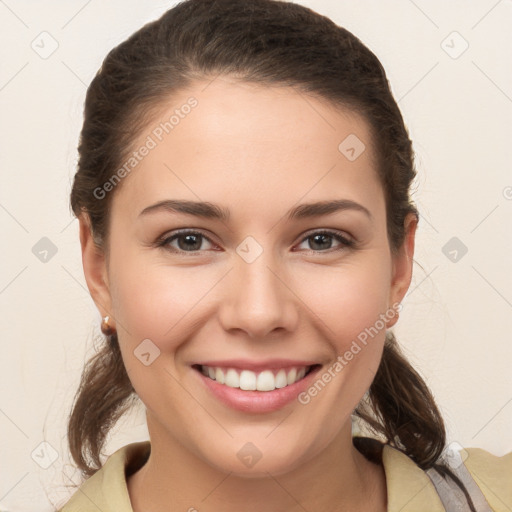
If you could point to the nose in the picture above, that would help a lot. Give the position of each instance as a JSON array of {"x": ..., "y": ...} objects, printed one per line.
[{"x": 258, "y": 299}]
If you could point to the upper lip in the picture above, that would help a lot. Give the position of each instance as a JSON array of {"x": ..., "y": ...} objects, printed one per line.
[{"x": 255, "y": 366}]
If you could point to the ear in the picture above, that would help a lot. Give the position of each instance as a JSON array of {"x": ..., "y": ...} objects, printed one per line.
[
  {"x": 402, "y": 265},
  {"x": 95, "y": 268}
]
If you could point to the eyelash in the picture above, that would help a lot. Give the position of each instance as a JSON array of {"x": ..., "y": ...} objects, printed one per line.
[{"x": 166, "y": 240}]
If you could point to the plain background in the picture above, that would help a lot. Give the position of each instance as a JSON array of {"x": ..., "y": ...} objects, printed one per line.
[{"x": 456, "y": 323}]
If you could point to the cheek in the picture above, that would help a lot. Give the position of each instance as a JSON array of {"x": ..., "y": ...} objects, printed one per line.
[
  {"x": 350, "y": 304},
  {"x": 348, "y": 300},
  {"x": 154, "y": 302}
]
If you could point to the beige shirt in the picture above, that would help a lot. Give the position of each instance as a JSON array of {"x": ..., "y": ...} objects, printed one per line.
[{"x": 409, "y": 488}]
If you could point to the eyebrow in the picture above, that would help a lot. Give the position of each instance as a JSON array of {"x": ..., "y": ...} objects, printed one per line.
[{"x": 212, "y": 211}]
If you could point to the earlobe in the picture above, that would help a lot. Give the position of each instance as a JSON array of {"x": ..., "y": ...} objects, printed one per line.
[
  {"x": 95, "y": 270},
  {"x": 403, "y": 265}
]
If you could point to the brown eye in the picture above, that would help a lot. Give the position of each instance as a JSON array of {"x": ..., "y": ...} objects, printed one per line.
[
  {"x": 187, "y": 241},
  {"x": 321, "y": 241}
]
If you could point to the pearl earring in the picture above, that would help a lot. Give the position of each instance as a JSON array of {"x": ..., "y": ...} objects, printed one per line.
[{"x": 107, "y": 329}]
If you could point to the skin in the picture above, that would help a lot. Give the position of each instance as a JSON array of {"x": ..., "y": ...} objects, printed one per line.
[{"x": 258, "y": 151}]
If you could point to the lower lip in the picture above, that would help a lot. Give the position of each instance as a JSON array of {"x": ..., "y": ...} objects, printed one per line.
[{"x": 257, "y": 401}]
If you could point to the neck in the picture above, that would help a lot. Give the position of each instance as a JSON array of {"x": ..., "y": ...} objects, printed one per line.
[{"x": 338, "y": 478}]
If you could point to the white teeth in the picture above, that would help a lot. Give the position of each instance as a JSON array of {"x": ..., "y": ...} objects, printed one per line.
[
  {"x": 281, "y": 379},
  {"x": 219, "y": 375},
  {"x": 232, "y": 380},
  {"x": 266, "y": 381},
  {"x": 247, "y": 380},
  {"x": 250, "y": 381},
  {"x": 292, "y": 376}
]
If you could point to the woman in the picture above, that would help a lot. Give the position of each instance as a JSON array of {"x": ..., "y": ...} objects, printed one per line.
[{"x": 248, "y": 236}]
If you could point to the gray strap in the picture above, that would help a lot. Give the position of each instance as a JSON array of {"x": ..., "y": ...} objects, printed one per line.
[{"x": 451, "y": 495}]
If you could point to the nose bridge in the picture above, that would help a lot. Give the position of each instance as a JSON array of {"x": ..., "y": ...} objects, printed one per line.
[{"x": 257, "y": 299}]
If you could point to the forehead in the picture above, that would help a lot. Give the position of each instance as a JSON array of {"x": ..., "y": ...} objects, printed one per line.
[{"x": 252, "y": 146}]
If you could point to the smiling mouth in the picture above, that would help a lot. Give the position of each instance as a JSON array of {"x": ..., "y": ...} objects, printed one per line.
[{"x": 247, "y": 380}]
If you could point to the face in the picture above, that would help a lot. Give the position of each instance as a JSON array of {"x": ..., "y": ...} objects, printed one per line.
[{"x": 268, "y": 286}]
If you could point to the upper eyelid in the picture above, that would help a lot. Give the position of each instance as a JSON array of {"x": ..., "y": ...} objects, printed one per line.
[{"x": 329, "y": 231}]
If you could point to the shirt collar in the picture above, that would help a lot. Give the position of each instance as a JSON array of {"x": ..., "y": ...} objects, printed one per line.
[{"x": 408, "y": 487}]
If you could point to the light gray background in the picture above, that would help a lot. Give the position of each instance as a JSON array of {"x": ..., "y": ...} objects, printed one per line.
[{"x": 456, "y": 323}]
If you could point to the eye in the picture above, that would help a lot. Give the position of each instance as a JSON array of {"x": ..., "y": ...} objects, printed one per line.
[
  {"x": 187, "y": 241},
  {"x": 191, "y": 241},
  {"x": 320, "y": 241}
]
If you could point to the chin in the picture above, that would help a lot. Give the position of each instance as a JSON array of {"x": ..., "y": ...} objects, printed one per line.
[{"x": 250, "y": 462}]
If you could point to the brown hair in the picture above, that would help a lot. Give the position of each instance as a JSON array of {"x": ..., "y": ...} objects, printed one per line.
[{"x": 271, "y": 43}]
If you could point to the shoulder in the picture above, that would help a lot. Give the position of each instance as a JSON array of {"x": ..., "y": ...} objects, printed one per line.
[
  {"x": 411, "y": 489},
  {"x": 107, "y": 488},
  {"x": 492, "y": 474},
  {"x": 487, "y": 477}
]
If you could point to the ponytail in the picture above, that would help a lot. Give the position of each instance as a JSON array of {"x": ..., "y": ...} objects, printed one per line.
[
  {"x": 102, "y": 398},
  {"x": 403, "y": 409}
]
